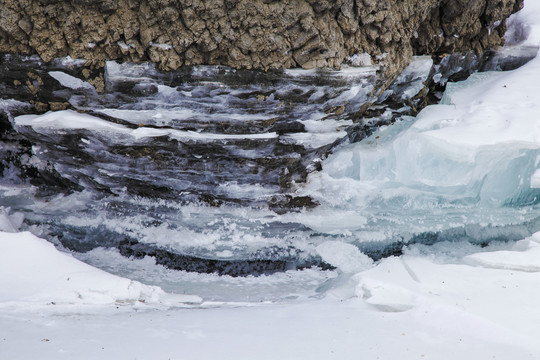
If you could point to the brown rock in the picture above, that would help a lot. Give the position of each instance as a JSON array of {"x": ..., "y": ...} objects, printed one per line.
[
  {"x": 251, "y": 34},
  {"x": 41, "y": 107},
  {"x": 56, "y": 106}
]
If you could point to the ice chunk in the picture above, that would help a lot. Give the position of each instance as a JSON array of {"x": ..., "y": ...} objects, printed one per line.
[
  {"x": 313, "y": 140},
  {"x": 336, "y": 223},
  {"x": 411, "y": 80},
  {"x": 390, "y": 286},
  {"x": 70, "y": 81},
  {"x": 116, "y": 73},
  {"x": 458, "y": 92},
  {"x": 345, "y": 257},
  {"x": 478, "y": 151}
]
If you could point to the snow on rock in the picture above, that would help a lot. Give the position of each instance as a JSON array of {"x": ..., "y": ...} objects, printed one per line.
[
  {"x": 487, "y": 119},
  {"x": 69, "y": 119},
  {"x": 363, "y": 59},
  {"x": 32, "y": 271},
  {"x": 524, "y": 26}
]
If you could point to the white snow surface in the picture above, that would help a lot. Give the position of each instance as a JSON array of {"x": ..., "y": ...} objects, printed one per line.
[
  {"x": 54, "y": 307},
  {"x": 34, "y": 273},
  {"x": 483, "y": 306}
]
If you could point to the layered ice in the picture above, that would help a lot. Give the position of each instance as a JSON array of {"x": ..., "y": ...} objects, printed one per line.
[
  {"x": 465, "y": 169},
  {"x": 201, "y": 162},
  {"x": 71, "y": 120},
  {"x": 210, "y": 162}
]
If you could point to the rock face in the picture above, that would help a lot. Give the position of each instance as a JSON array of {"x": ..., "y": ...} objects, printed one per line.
[
  {"x": 251, "y": 34},
  {"x": 195, "y": 160}
]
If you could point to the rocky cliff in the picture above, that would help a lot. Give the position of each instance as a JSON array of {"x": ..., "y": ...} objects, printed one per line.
[
  {"x": 252, "y": 34},
  {"x": 186, "y": 165}
]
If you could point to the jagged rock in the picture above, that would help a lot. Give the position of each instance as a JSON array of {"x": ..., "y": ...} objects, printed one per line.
[{"x": 251, "y": 34}]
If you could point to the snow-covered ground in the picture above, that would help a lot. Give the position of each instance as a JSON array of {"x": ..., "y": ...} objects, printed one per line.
[
  {"x": 418, "y": 306},
  {"x": 55, "y": 307}
]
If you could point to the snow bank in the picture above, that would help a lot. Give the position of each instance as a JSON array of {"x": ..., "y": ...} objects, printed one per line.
[
  {"x": 524, "y": 256},
  {"x": 422, "y": 308},
  {"x": 32, "y": 271},
  {"x": 483, "y": 301}
]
